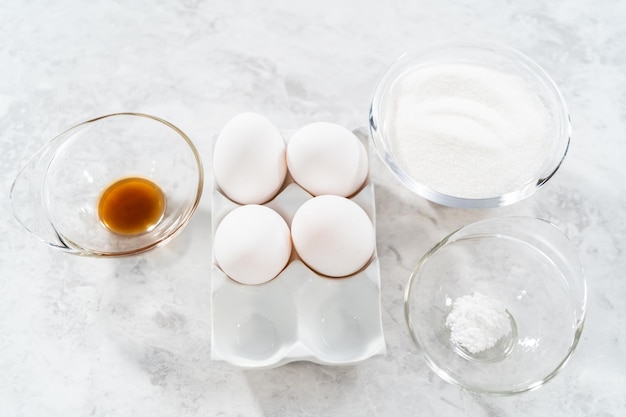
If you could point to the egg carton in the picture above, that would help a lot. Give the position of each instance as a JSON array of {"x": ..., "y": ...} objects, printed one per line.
[{"x": 299, "y": 315}]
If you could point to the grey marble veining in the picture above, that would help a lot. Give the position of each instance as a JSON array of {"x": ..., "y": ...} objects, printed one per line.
[{"x": 131, "y": 336}]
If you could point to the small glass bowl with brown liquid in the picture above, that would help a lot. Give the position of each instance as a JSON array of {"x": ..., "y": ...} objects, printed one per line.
[{"x": 116, "y": 185}]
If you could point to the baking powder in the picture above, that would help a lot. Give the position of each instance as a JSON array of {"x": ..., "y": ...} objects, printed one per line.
[{"x": 477, "y": 322}]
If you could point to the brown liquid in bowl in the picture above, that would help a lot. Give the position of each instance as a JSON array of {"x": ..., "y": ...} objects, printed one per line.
[{"x": 131, "y": 206}]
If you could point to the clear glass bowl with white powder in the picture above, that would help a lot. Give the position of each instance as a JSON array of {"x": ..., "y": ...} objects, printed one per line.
[
  {"x": 470, "y": 125},
  {"x": 498, "y": 306}
]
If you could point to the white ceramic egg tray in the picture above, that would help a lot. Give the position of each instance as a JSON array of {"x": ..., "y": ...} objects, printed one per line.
[{"x": 299, "y": 315}]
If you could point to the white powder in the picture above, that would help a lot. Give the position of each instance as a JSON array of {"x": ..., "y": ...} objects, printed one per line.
[
  {"x": 477, "y": 322},
  {"x": 466, "y": 130}
]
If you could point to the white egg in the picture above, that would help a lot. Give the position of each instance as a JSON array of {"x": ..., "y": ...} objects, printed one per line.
[
  {"x": 252, "y": 244},
  {"x": 333, "y": 235},
  {"x": 249, "y": 159},
  {"x": 325, "y": 158}
]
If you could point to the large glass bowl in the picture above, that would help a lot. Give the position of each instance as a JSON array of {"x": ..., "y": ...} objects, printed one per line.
[
  {"x": 494, "y": 57},
  {"x": 528, "y": 266}
]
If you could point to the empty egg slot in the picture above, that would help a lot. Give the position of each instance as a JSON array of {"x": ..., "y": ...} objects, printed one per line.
[
  {"x": 337, "y": 320},
  {"x": 253, "y": 325}
]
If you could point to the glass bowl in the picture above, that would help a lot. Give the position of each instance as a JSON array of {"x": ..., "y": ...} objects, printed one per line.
[
  {"x": 493, "y": 57},
  {"x": 529, "y": 269},
  {"x": 57, "y": 195}
]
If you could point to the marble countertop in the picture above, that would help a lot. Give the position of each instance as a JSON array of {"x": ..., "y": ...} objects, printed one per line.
[{"x": 131, "y": 336}]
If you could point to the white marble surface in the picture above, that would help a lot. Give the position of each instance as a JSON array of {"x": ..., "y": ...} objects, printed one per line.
[{"x": 131, "y": 337}]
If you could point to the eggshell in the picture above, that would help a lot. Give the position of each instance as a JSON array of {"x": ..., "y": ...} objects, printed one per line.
[
  {"x": 325, "y": 158},
  {"x": 249, "y": 159},
  {"x": 252, "y": 244},
  {"x": 333, "y": 235}
]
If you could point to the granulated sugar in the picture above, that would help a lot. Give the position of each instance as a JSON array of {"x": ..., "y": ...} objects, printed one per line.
[
  {"x": 477, "y": 322},
  {"x": 466, "y": 130}
]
